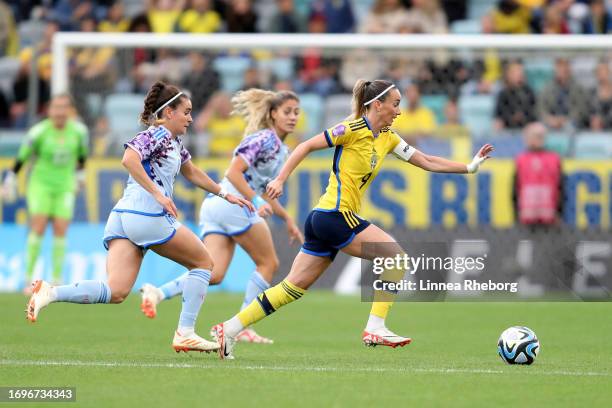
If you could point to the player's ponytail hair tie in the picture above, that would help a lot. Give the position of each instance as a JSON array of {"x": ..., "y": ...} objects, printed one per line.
[
  {"x": 168, "y": 102},
  {"x": 379, "y": 95}
]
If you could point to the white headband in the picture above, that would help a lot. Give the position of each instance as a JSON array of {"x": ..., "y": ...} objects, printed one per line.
[
  {"x": 167, "y": 103},
  {"x": 379, "y": 95}
]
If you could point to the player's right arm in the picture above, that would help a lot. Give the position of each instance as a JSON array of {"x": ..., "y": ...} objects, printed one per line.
[{"x": 318, "y": 142}]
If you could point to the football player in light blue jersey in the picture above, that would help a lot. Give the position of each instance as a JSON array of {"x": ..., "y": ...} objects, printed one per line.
[
  {"x": 145, "y": 217},
  {"x": 270, "y": 116}
]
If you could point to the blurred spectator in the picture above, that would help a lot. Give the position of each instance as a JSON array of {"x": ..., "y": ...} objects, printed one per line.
[
  {"x": 484, "y": 78},
  {"x": 115, "y": 21},
  {"x": 91, "y": 72},
  {"x": 452, "y": 128},
  {"x": 441, "y": 76},
  {"x": 68, "y": 13},
  {"x": 515, "y": 106},
  {"x": 201, "y": 80},
  {"x": 319, "y": 79},
  {"x": 563, "y": 102},
  {"x": 509, "y": 17},
  {"x": 358, "y": 63},
  {"x": 315, "y": 73},
  {"x": 417, "y": 120},
  {"x": 252, "y": 79},
  {"x": 599, "y": 20},
  {"x": 224, "y": 129},
  {"x": 164, "y": 14},
  {"x": 554, "y": 21},
  {"x": 426, "y": 16},
  {"x": 9, "y": 40},
  {"x": 338, "y": 15},
  {"x": 538, "y": 181},
  {"x": 286, "y": 19},
  {"x": 19, "y": 106},
  {"x": 455, "y": 9},
  {"x": 397, "y": 72},
  {"x": 241, "y": 17},
  {"x": 386, "y": 16},
  {"x": 140, "y": 24},
  {"x": 169, "y": 66},
  {"x": 200, "y": 18},
  {"x": 23, "y": 10},
  {"x": 601, "y": 107}
]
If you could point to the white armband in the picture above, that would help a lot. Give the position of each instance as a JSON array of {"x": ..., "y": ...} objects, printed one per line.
[{"x": 403, "y": 150}]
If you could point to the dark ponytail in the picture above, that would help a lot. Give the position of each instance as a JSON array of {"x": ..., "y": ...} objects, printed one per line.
[
  {"x": 364, "y": 91},
  {"x": 159, "y": 94}
]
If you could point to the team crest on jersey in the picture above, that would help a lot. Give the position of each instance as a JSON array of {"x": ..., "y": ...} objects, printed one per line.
[
  {"x": 339, "y": 130},
  {"x": 373, "y": 159}
]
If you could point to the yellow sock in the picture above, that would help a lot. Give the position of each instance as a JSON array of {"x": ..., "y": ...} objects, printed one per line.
[
  {"x": 383, "y": 300},
  {"x": 381, "y": 309},
  {"x": 267, "y": 302}
]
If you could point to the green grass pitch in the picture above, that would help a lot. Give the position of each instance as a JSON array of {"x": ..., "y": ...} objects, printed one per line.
[{"x": 115, "y": 357}]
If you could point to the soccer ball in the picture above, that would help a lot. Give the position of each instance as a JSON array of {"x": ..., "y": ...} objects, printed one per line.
[{"x": 518, "y": 345}]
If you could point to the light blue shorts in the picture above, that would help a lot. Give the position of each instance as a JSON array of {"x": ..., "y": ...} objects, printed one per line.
[
  {"x": 217, "y": 216},
  {"x": 142, "y": 230}
]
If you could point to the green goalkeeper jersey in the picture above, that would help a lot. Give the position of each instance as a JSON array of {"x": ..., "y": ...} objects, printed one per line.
[{"x": 57, "y": 152}]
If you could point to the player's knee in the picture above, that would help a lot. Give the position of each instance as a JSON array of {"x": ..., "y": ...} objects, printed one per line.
[
  {"x": 203, "y": 263},
  {"x": 268, "y": 266},
  {"x": 119, "y": 295},
  {"x": 216, "y": 278}
]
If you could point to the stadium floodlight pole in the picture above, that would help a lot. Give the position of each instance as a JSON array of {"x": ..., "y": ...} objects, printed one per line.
[{"x": 61, "y": 41}]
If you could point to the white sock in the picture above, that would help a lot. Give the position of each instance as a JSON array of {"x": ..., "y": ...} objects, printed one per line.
[
  {"x": 233, "y": 326},
  {"x": 375, "y": 323},
  {"x": 185, "y": 331}
]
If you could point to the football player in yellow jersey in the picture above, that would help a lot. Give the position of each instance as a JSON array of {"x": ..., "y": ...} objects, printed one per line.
[{"x": 334, "y": 224}]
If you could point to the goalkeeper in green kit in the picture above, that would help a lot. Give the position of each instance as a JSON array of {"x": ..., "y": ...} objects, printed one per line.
[{"x": 59, "y": 147}]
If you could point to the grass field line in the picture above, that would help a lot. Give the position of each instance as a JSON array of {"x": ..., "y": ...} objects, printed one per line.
[{"x": 232, "y": 366}]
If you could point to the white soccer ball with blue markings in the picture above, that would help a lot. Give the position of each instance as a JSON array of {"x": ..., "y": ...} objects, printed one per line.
[{"x": 518, "y": 345}]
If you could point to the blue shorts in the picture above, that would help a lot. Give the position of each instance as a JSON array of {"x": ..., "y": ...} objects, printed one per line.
[
  {"x": 327, "y": 232},
  {"x": 143, "y": 230},
  {"x": 218, "y": 216}
]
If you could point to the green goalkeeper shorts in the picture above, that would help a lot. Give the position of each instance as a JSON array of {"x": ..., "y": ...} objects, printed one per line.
[{"x": 54, "y": 204}]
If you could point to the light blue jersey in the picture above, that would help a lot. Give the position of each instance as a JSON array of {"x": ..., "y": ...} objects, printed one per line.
[
  {"x": 162, "y": 157},
  {"x": 265, "y": 155},
  {"x": 137, "y": 216}
]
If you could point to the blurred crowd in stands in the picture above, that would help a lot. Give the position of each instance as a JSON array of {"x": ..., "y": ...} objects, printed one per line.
[{"x": 445, "y": 96}]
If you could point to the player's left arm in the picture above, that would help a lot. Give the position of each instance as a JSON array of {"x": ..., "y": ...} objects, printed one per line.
[
  {"x": 203, "y": 180},
  {"x": 439, "y": 164}
]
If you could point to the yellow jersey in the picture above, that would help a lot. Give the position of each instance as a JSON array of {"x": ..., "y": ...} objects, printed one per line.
[{"x": 357, "y": 160}]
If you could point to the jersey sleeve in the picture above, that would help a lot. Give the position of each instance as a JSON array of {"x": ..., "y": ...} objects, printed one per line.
[
  {"x": 394, "y": 141},
  {"x": 339, "y": 134},
  {"x": 145, "y": 144},
  {"x": 185, "y": 155},
  {"x": 31, "y": 143},
  {"x": 83, "y": 140}
]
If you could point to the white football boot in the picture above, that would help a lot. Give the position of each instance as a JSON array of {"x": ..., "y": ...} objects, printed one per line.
[
  {"x": 249, "y": 335},
  {"x": 151, "y": 296},
  {"x": 42, "y": 295},
  {"x": 384, "y": 337},
  {"x": 226, "y": 343},
  {"x": 192, "y": 342}
]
